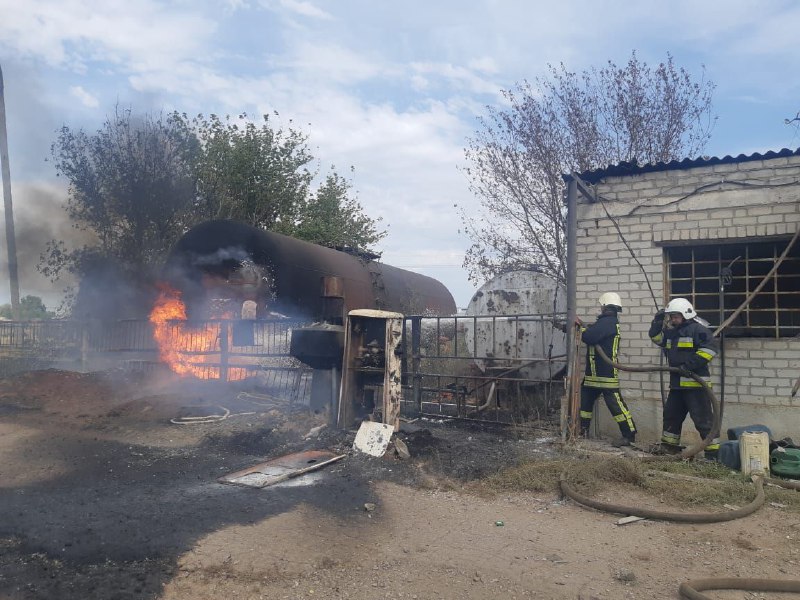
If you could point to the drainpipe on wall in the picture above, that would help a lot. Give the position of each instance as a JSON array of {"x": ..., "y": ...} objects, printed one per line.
[{"x": 572, "y": 229}]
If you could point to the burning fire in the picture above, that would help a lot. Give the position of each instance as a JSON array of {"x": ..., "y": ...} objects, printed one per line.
[{"x": 188, "y": 350}]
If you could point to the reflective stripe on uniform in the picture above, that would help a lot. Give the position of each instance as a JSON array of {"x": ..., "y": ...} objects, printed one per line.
[
  {"x": 586, "y": 414},
  {"x": 615, "y": 350},
  {"x": 592, "y": 363},
  {"x": 706, "y": 353},
  {"x": 657, "y": 338},
  {"x": 600, "y": 382},
  {"x": 685, "y": 342},
  {"x": 625, "y": 415},
  {"x": 668, "y": 345},
  {"x": 713, "y": 446},
  {"x": 670, "y": 438},
  {"x": 688, "y": 382}
]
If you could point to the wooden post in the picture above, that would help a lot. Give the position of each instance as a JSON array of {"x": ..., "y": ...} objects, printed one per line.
[
  {"x": 84, "y": 346},
  {"x": 224, "y": 358},
  {"x": 11, "y": 241},
  {"x": 575, "y": 384},
  {"x": 572, "y": 362},
  {"x": 392, "y": 384}
]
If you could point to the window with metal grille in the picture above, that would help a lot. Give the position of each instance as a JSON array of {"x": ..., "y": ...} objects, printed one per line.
[{"x": 698, "y": 273}]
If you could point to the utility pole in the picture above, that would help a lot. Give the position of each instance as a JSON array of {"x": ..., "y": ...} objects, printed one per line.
[{"x": 11, "y": 240}]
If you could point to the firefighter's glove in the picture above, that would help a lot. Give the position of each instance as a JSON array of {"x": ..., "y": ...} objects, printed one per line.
[{"x": 658, "y": 319}]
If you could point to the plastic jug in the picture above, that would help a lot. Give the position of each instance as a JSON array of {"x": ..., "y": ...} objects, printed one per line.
[{"x": 754, "y": 452}]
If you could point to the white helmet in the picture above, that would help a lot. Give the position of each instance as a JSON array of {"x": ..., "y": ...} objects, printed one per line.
[
  {"x": 682, "y": 306},
  {"x": 611, "y": 299}
]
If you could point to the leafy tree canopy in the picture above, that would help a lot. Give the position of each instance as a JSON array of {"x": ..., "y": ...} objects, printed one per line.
[
  {"x": 333, "y": 217},
  {"x": 138, "y": 183},
  {"x": 30, "y": 308},
  {"x": 249, "y": 172},
  {"x": 130, "y": 188}
]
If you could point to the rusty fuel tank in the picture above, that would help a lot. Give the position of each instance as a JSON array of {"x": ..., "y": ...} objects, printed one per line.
[{"x": 229, "y": 259}]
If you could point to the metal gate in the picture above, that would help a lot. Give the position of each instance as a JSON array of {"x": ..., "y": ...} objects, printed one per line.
[{"x": 504, "y": 369}]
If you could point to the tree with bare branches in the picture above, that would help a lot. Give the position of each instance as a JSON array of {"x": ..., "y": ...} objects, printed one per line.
[{"x": 571, "y": 122}]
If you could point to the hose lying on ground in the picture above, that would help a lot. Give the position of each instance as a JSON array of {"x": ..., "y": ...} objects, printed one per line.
[
  {"x": 646, "y": 513},
  {"x": 693, "y": 450},
  {"x": 205, "y": 419},
  {"x": 750, "y": 508},
  {"x": 691, "y": 589}
]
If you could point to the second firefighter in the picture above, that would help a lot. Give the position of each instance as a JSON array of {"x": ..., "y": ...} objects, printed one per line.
[{"x": 601, "y": 377}]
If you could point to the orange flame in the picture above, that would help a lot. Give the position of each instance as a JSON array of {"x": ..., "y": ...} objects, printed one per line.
[{"x": 187, "y": 350}]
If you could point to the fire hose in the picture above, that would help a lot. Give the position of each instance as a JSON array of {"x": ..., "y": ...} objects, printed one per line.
[
  {"x": 687, "y": 453},
  {"x": 715, "y": 427},
  {"x": 692, "y": 451},
  {"x": 691, "y": 589}
]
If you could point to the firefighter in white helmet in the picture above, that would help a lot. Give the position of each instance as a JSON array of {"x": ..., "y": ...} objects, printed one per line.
[
  {"x": 688, "y": 345},
  {"x": 600, "y": 377}
]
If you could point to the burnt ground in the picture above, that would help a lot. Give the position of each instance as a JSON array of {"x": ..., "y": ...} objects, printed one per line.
[
  {"x": 103, "y": 497},
  {"x": 100, "y": 494}
]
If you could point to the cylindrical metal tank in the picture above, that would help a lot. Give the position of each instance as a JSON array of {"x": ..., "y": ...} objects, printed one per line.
[
  {"x": 292, "y": 277},
  {"x": 516, "y": 313}
]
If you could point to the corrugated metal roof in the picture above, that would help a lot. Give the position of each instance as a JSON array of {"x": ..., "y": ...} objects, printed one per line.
[{"x": 632, "y": 168}]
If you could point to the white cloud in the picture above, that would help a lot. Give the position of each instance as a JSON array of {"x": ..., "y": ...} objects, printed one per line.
[
  {"x": 391, "y": 88},
  {"x": 84, "y": 97},
  {"x": 306, "y": 9},
  {"x": 461, "y": 77},
  {"x": 129, "y": 35},
  {"x": 332, "y": 63}
]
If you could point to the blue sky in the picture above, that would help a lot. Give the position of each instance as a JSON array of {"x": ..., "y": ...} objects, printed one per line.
[{"x": 390, "y": 88}]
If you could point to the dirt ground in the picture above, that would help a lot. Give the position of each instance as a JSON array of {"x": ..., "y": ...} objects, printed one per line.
[{"x": 102, "y": 496}]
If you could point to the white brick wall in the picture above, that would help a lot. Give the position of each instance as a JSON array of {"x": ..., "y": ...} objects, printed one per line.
[{"x": 664, "y": 208}]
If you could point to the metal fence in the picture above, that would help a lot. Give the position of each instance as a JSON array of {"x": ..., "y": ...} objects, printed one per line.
[
  {"x": 226, "y": 350},
  {"x": 496, "y": 368},
  {"x": 491, "y": 368}
]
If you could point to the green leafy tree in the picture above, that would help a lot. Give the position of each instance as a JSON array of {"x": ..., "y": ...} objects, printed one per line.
[
  {"x": 260, "y": 174},
  {"x": 138, "y": 183},
  {"x": 333, "y": 217},
  {"x": 30, "y": 308},
  {"x": 130, "y": 188},
  {"x": 250, "y": 172},
  {"x": 571, "y": 122}
]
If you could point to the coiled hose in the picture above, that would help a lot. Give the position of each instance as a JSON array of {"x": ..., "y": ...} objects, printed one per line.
[
  {"x": 691, "y": 589},
  {"x": 715, "y": 407},
  {"x": 687, "y": 453}
]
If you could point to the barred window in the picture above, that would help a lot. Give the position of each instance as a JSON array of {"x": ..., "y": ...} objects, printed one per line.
[{"x": 698, "y": 274}]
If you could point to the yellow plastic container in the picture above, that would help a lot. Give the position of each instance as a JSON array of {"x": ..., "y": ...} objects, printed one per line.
[{"x": 754, "y": 452}]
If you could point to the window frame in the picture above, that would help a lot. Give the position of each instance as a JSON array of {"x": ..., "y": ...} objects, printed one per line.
[{"x": 693, "y": 272}]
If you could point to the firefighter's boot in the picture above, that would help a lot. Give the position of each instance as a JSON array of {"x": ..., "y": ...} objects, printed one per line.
[{"x": 623, "y": 441}]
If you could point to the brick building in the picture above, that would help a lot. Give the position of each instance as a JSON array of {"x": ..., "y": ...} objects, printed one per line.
[{"x": 685, "y": 222}]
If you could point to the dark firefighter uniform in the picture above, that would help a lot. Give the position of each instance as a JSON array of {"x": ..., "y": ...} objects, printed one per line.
[
  {"x": 689, "y": 347},
  {"x": 601, "y": 378}
]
